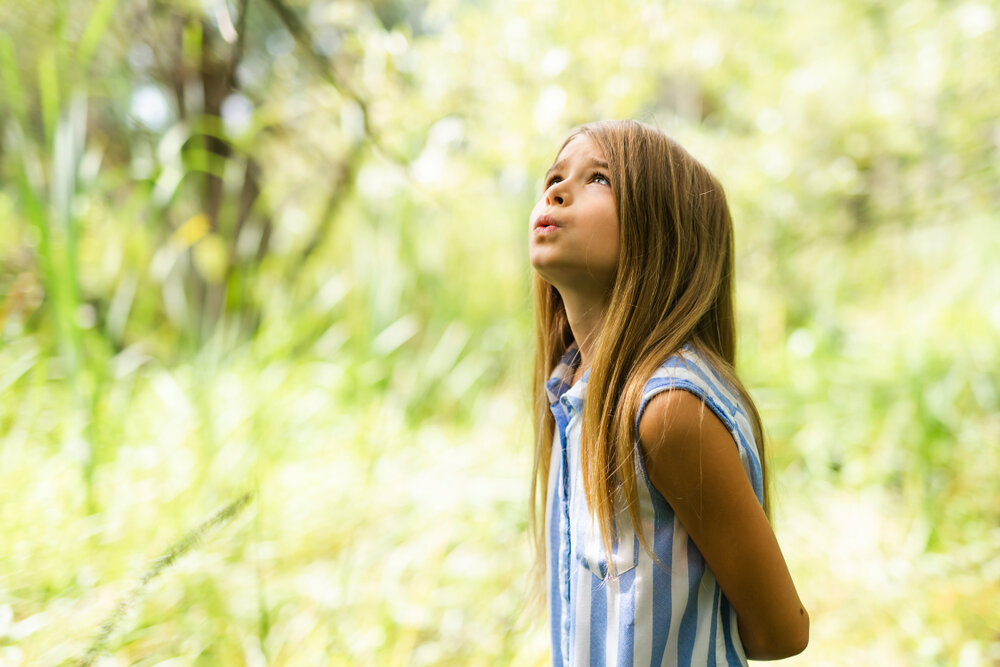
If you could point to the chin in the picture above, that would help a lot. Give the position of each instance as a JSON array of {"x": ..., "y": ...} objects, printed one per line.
[
  {"x": 537, "y": 260},
  {"x": 542, "y": 261}
]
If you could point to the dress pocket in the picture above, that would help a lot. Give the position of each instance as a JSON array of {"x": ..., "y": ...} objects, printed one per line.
[{"x": 593, "y": 556}]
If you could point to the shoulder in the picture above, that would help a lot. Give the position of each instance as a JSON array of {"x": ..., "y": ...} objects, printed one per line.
[
  {"x": 690, "y": 410},
  {"x": 692, "y": 424},
  {"x": 681, "y": 439},
  {"x": 688, "y": 370},
  {"x": 670, "y": 414}
]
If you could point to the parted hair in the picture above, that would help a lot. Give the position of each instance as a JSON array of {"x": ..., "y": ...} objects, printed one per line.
[{"x": 673, "y": 285}]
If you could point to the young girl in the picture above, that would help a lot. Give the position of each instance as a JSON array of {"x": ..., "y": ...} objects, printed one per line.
[{"x": 655, "y": 538}]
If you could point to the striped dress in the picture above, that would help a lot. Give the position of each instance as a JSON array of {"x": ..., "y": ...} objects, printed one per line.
[{"x": 648, "y": 615}]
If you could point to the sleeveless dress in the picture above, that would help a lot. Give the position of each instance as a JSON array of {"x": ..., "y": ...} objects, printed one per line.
[{"x": 647, "y": 615}]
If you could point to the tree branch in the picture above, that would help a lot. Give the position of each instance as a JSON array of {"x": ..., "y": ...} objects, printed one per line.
[{"x": 300, "y": 33}]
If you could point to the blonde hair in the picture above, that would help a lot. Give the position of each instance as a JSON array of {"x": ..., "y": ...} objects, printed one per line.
[{"x": 674, "y": 284}]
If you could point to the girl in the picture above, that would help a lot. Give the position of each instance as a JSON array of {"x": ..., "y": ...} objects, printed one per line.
[{"x": 655, "y": 538}]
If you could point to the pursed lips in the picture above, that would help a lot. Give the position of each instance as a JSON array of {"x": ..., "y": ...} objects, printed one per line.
[{"x": 546, "y": 221}]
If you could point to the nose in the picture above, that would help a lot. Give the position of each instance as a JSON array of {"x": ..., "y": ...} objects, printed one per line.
[{"x": 557, "y": 194}]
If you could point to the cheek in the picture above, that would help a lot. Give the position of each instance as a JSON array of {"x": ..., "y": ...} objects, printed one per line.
[
  {"x": 612, "y": 244},
  {"x": 611, "y": 232},
  {"x": 612, "y": 255},
  {"x": 535, "y": 210}
]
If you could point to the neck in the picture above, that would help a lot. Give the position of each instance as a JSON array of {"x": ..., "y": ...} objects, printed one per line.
[{"x": 585, "y": 314}]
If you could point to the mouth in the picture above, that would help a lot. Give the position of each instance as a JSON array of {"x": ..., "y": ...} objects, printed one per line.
[{"x": 546, "y": 222}]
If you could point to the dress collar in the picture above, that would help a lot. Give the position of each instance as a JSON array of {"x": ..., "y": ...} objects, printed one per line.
[{"x": 559, "y": 387}]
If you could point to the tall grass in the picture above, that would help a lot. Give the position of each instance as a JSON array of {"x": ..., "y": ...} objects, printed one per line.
[{"x": 177, "y": 550}]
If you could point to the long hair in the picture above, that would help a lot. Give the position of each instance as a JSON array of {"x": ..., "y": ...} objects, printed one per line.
[{"x": 673, "y": 284}]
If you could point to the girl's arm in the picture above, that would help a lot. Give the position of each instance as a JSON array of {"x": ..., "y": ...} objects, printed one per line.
[{"x": 692, "y": 459}]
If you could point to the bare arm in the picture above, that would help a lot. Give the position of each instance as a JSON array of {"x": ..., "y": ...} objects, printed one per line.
[{"x": 692, "y": 460}]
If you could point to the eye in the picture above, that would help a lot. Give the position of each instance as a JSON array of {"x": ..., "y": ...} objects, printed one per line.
[{"x": 595, "y": 175}]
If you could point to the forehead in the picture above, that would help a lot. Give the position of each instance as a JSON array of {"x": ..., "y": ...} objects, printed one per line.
[
  {"x": 580, "y": 145},
  {"x": 580, "y": 148}
]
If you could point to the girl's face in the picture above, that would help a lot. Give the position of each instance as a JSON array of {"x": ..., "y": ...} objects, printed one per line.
[{"x": 573, "y": 241}]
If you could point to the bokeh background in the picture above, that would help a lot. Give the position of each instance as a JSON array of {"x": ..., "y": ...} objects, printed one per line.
[{"x": 279, "y": 247}]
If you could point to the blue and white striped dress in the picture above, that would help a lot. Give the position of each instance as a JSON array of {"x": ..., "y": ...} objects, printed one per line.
[{"x": 648, "y": 615}]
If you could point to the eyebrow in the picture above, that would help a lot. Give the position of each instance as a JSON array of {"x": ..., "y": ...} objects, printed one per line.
[{"x": 562, "y": 163}]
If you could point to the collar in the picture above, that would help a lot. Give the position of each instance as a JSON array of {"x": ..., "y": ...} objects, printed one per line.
[{"x": 558, "y": 386}]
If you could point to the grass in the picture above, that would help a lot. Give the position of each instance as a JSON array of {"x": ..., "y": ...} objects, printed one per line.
[
  {"x": 368, "y": 538},
  {"x": 372, "y": 540}
]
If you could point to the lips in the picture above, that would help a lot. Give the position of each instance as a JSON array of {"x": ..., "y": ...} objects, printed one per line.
[{"x": 546, "y": 221}]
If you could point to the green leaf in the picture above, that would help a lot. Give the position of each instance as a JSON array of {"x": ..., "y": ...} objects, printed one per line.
[
  {"x": 96, "y": 28},
  {"x": 13, "y": 90},
  {"x": 48, "y": 91}
]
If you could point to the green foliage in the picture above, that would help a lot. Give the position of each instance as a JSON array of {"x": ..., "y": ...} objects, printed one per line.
[{"x": 281, "y": 245}]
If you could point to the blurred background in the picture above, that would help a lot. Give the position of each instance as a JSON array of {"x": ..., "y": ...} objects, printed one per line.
[{"x": 279, "y": 247}]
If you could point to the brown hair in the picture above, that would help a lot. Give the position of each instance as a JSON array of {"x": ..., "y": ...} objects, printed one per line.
[{"x": 674, "y": 284}]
